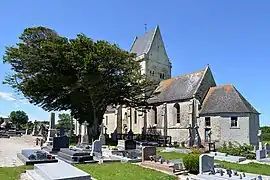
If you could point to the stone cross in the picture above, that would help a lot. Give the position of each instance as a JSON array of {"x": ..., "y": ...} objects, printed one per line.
[
  {"x": 101, "y": 136},
  {"x": 260, "y": 139},
  {"x": 84, "y": 134},
  {"x": 52, "y": 121},
  {"x": 190, "y": 140},
  {"x": 102, "y": 128},
  {"x": 51, "y": 130},
  {"x": 198, "y": 141},
  {"x": 209, "y": 135}
]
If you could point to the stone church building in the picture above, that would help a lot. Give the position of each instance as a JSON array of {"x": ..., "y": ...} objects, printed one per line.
[{"x": 182, "y": 104}]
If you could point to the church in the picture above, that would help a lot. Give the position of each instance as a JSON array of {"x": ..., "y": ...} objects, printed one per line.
[{"x": 186, "y": 106}]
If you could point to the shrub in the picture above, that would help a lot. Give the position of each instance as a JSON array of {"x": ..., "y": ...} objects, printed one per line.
[
  {"x": 175, "y": 144},
  {"x": 183, "y": 144},
  {"x": 191, "y": 163},
  {"x": 266, "y": 136},
  {"x": 236, "y": 149}
]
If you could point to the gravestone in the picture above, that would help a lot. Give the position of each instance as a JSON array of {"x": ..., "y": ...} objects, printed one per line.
[
  {"x": 260, "y": 139},
  {"x": 267, "y": 148},
  {"x": 57, "y": 143},
  {"x": 96, "y": 148},
  {"x": 130, "y": 134},
  {"x": 206, "y": 163},
  {"x": 148, "y": 151},
  {"x": 84, "y": 135},
  {"x": 35, "y": 156},
  {"x": 74, "y": 156},
  {"x": 260, "y": 154},
  {"x": 34, "y": 132},
  {"x": 198, "y": 141},
  {"x": 60, "y": 142},
  {"x": 114, "y": 135},
  {"x": 126, "y": 144},
  {"x": 51, "y": 130},
  {"x": 101, "y": 136},
  {"x": 62, "y": 131},
  {"x": 57, "y": 171}
]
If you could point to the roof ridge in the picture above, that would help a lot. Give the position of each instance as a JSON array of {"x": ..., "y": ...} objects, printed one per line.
[
  {"x": 205, "y": 71},
  {"x": 136, "y": 37},
  {"x": 152, "y": 39},
  {"x": 245, "y": 102}
]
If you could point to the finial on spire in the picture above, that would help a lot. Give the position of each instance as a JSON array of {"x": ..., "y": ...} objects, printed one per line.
[{"x": 145, "y": 27}]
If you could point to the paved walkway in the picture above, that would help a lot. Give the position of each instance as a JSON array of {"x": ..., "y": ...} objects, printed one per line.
[{"x": 10, "y": 147}]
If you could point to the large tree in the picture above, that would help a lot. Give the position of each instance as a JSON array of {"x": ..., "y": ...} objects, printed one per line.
[
  {"x": 64, "y": 121},
  {"x": 80, "y": 75},
  {"x": 18, "y": 118}
]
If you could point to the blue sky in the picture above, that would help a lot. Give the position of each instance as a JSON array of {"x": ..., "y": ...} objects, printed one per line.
[{"x": 232, "y": 36}]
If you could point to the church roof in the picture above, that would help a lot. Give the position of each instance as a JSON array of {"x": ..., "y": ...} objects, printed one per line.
[
  {"x": 143, "y": 43},
  {"x": 225, "y": 99},
  {"x": 179, "y": 88}
]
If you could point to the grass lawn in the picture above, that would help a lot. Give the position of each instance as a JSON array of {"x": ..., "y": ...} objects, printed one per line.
[
  {"x": 249, "y": 168},
  {"x": 12, "y": 173},
  {"x": 123, "y": 171},
  {"x": 171, "y": 155},
  {"x": 108, "y": 171}
]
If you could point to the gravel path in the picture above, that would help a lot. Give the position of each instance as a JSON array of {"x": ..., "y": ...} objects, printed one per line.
[{"x": 10, "y": 147}]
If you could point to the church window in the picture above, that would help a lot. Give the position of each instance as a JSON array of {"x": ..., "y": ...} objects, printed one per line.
[
  {"x": 177, "y": 107},
  {"x": 160, "y": 75},
  {"x": 135, "y": 117},
  {"x": 106, "y": 120},
  {"x": 207, "y": 121},
  {"x": 155, "y": 116},
  {"x": 234, "y": 122}
]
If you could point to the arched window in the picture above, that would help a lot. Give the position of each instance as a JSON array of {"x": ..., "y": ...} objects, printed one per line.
[
  {"x": 155, "y": 116},
  {"x": 177, "y": 107}
]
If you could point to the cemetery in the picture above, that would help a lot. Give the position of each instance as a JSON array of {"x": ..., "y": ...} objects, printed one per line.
[{"x": 53, "y": 151}]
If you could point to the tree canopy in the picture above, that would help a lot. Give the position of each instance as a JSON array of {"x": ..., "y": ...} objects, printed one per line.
[
  {"x": 19, "y": 118},
  {"x": 64, "y": 121},
  {"x": 79, "y": 74}
]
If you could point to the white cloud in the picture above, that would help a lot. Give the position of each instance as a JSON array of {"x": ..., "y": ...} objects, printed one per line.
[
  {"x": 7, "y": 96},
  {"x": 3, "y": 116}
]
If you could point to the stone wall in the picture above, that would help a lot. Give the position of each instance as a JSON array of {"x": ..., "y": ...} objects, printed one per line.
[
  {"x": 111, "y": 122},
  {"x": 245, "y": 132},
  {"x": 254, "y": 125},
  {"x": 157, "y": 59}
]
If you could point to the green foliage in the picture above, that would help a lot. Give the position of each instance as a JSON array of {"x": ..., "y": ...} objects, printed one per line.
[
  {"x": 265, "y": 133},
  {"x": 236, "y": 149},
  {"x": 19, "y": 118},
  {"x": 266, "y": 136},
  {"x": 265, "y": 129},
  {"x": 191, "y": 163},
  {"x": 65, "y": 121},
  {"x": 80, "y": 75},
  {"x": 254, "y": 168}
]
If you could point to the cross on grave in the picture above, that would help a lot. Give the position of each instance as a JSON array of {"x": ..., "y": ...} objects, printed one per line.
[
  {"x": 260, "y": 139},
  {"x": 101, "y": 136},
  {"x": 197, "y": 136},
  {"x": 84, "y": 135}
]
